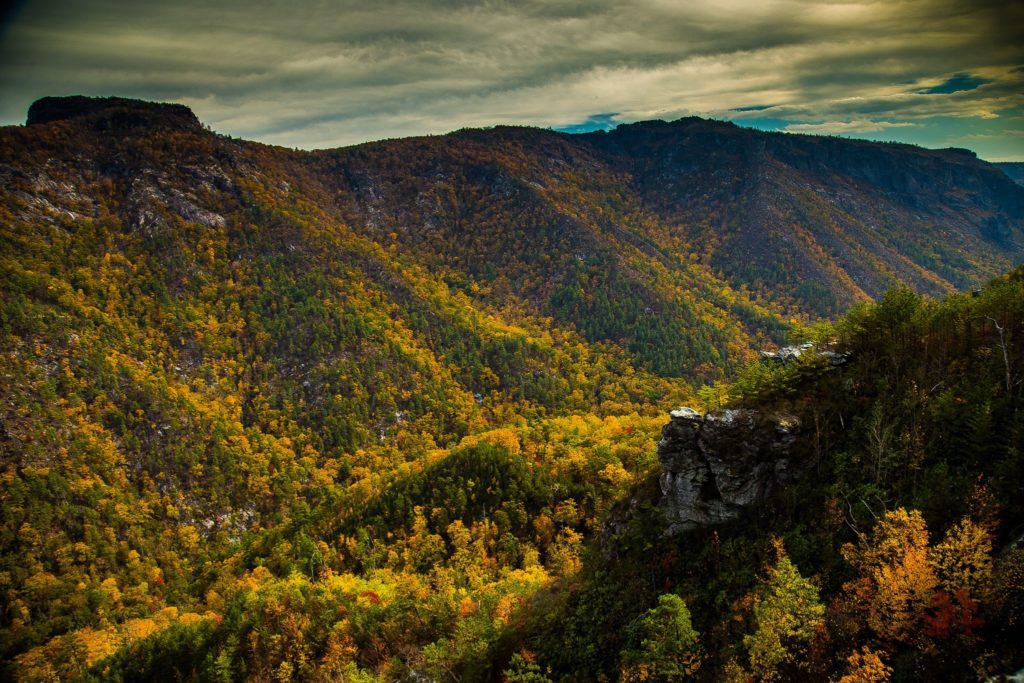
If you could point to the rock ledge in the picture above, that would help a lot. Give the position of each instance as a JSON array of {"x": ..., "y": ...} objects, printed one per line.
[{"x": 714, "y": 466}]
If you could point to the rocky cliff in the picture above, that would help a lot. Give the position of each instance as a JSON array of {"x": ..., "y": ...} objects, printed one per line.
[
  {"x": 714, "y": 466},
  {"x": 113, "y": 113}
]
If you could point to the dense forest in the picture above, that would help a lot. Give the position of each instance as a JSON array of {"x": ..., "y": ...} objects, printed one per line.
[{"x": 392, "y": 412}]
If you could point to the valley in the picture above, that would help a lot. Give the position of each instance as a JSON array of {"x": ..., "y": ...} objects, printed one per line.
[{"x": 393, "y": 411}]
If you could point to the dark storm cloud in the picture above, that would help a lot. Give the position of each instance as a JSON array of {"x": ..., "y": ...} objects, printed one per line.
[{"x": 326, "y": 73}]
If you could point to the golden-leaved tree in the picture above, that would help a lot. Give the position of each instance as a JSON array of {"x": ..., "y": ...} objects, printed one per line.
[{"x": 896, "y": 580}]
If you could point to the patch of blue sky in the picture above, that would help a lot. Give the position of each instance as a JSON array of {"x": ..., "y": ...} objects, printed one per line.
[
  {"x": 956, "y": 83},
  {"x": 592, "y": 123},
  {"x": 766, "y": 123}
]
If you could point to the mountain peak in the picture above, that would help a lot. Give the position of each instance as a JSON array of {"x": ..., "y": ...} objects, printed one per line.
[{"x": 117, "y": 113}]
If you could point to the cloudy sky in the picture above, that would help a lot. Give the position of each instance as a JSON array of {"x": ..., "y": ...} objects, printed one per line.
[{"x": 321, "y": 74}]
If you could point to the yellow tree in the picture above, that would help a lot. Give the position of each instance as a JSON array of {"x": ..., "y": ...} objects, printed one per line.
[
  {"x": 866, "y": 666},
  {"x": 963, "y": 560},
  {"x": 896, "y": 581}
]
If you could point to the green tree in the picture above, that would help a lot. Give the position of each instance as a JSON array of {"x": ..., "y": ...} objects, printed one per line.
[
  {"x": 670, "y": 649},
  {"x": 523, "y": 670},
  {"x": 789, "y": 616}
]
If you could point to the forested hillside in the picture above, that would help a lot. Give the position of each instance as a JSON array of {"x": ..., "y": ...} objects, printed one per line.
[
  {"x": 818, "y": 223},
  {"x": 393, "y": 410}
]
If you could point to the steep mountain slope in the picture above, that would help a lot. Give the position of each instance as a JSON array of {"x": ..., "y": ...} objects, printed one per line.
[
  {"x": 529, "y": 220},
  {"x": 196, "y": 347},
  {"x": 822, "y": 222},
  {"x": 411, "y": 368},
  {"x": 163, "y": 267},
  {"x": 807, "y": 225},
  {"x": 888, "y": 468},
  {"x": 678, "y": 241}
]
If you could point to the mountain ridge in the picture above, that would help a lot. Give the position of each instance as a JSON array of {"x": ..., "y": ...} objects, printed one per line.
[
  {"x": 752, "y": 226},
  {"x": 263, "y": 405}
]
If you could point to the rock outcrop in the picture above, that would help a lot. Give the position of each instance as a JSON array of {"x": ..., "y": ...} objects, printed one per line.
[
  {"x": 787, "y": 354},
  {"x": 113, "y": 113},
  {"x": 790, "y": 354},
  {"x": 716, "y": 465}
]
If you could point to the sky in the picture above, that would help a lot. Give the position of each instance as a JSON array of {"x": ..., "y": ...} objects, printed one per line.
[{"x": 316, "y": 74}]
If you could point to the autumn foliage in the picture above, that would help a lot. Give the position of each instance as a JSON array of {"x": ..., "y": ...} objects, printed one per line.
[{"x": 391, "y": 413}]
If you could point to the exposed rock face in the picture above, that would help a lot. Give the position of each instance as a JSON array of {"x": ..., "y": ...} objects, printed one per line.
[
  {"x": 787, "y": 354},
  {"x": 113, "y": 113},
  {"x": 713, "y": 466},
  {"x": 791, "y": 354}
]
